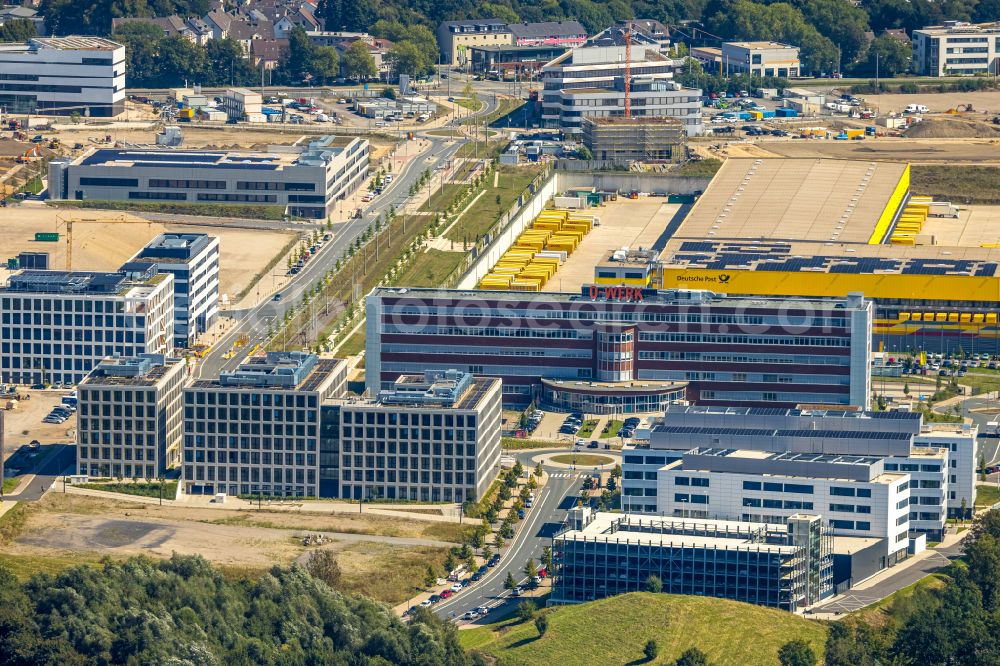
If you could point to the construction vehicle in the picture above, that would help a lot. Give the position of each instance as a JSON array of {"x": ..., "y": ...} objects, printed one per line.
[
  {"x": 54, "y": 143},
  {"x": 29, "y": 154}
]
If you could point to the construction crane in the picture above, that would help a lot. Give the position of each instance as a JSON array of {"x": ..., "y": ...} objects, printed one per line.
[
  {"x": 628, "y": 70},
  {"x": 69, "y": 221}
]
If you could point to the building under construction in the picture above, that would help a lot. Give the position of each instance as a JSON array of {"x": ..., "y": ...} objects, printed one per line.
[{"x": 621, "y": 140}]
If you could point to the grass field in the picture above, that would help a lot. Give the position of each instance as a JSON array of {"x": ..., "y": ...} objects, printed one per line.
[
  {"x": 441, "y": 198},
  {"x": 700, "y": 168},
  {"x": 987, "y": 494},
  {"x": 611, "y": 428},
  {"x": 587, "y": 429},
  {"x": 614, "y": 631},
  {"x": 961, "y": 184},
  {"x": 387, "y": 572},
  {"x": 141, "y": 489},
  {"x": 582, "y": 459},
  {"x": 26, "y": 567},
  {"x": 354, "y": 344},
  {"x": 10, "y": 484},
  {"x": 430, "y": 268},
  {"x": 483, "y": 214}
]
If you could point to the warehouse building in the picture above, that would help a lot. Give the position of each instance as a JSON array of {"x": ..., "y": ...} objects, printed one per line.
[
  {"x": 824, "y": 228},
  {"x": 621, "y": 141},
  {"x": 130, "y": 418},
  {"x": 56, "y": 326},
  {"x": 307, "y": 181},
  {"x": 433, "y": 437},
  {"x": 62, "y": 76},
  {"x": 589, "y": 82},
  {"x": 617, "y": 349},
  {"x": 193, "y": 260},
  {"x": 256, "y": 430},
  {"x": 957, "y": 47},
  {"x": 786, "y": 565}
]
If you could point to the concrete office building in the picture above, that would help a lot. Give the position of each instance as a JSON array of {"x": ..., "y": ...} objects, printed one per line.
[
  {"x": 63, "y": 75},
  {"x": 621, "y": 141},
  {"x": 785, "y": 565},
  {"x": 55, "y": 326},
  {"x": 589, "y": 82},
  {"x": 831, "y": 452},
  {"x": 760, "y": 59},
  {"x": 193, "y": 260},
  {"x": 256, "y": 430},
  {"x": 306, "y": 180},
  {"x": 130, "y": 421},
  {"x": 432, "y": 437},
  {"x": 455, "y": 38},
  {"x": 957, "y": 47},
  {"x": 622, "y": 349}
]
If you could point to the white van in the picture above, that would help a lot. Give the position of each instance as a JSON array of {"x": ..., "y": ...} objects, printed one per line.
[{"x": 915, "y": 108}]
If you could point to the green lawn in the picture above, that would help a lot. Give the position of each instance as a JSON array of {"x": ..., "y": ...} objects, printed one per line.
[
  {"x": 582, "y": 459},
  {"x": 587, "y": 429},
  {"x": 611, "y": 428},
  {"x": 142, "y": 489},
  {"x": 698, "y": 168},
  {"x": 987, "y": 494},
  {"x": 483, "y": 214},
  {"x": 354, "y": 344},
  {"x": 468, "y": 103},
  {"x": 10, "y": 484},
  {"x": 614, "y": 631},
  {"x": 26, "y": 567},
  {"x": 441, "y": 198},
  {"x": 430, "y": 268},
  {"x": 516, "y": 444}
]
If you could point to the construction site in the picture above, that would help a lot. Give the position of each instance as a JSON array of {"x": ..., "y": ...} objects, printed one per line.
[{"x": 621, "y": 140}]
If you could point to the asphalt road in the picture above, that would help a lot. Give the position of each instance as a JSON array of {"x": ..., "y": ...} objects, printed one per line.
[
  {"x": 254, "y": 321},
  {"x": 531, "y": 535},
  {"x": 53, "y": 461}
]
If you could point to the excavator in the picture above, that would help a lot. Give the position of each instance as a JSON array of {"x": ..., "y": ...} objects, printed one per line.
[{"x": 29, "y": 154}]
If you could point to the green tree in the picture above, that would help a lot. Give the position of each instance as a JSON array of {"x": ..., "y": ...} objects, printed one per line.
[
  {"x": 142, "y": 43},
  {"x": 982, "y": 467},
  {"x": 178, "y": 59},
  {"x": 541, "y": 624},
  {"x": 797, "y": 653},
  {"x": 547, "y": 559},
  {"x": 584, "y": 153},
  {"x": 430, "y": 577},
  {"x": 227, "y": 64},
  {"x": 306, "y": 62},
  {"x": 530, "y": 568},
  {"x": 509, "y": 583},
  {"x": 407, "y": 58},
  {"x": 359, "y": 64},
  {"x": 654, "y": 584},
  {"x": 692, "y": 657},
  {"x": 450, "y": 562},
  {"x": 893, "y": 56},
  {"x": 18, "y": 30},
  {"x": 526, "y": 610},
  {"x": 322, "y": 565},
  {"x": 651, "y": 649}
]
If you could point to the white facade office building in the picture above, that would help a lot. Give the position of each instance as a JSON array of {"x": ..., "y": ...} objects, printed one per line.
[
  {"x": 55, "y": 326},
  {"x": 62, "y": 76},
  {"x": 956, "y": 47},
  {"x": 307, "y": 181},
  {"x": 589, "y": 82},
  {"x": 432, "y": 437},
  {"x": 130, "y": 420},
  {"x": 193, "y": 260}
]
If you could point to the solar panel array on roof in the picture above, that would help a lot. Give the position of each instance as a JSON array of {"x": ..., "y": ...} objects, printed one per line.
[{"x": 697, "y": 246}]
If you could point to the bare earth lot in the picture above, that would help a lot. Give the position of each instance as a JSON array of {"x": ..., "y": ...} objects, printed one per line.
[
  {"x": 24, "y": 424},
  {"x": 978, "y": 151},
  {"x": 97, "y": 246}
]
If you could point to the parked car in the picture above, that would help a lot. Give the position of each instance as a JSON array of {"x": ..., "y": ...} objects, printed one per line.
[
  {"x": 435, "y": 598},
  {"x": 457, "y": 587},
  {"x": 483, "y": 610},
  {"x": 426, "y": 602},
  {"x": 495, "y": 560},
  {"x": 447, "y": 593},
  {"x": 516, "y": 592}
]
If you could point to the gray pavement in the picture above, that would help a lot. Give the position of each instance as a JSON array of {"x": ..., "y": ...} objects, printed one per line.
[{"x": 53, "y": 461}]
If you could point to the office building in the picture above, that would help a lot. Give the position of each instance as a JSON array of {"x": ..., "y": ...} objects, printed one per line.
[
  {"x": 130, "y": 420},
  {"x": 786, "y": 565},
  {"x": 624, "y": 349},
  {"x": 62, "y": 76},
  {"x": 760, "y": 59},
  {"x": 508, "y": 63},
  {"x": 741, "y": 462},
  {"x": 55, "y": 326},
  {"x": 957, "y": 47},
  {"x": 590, "y": 82},
  {"x": 455, "y": 38},
  {"x": 306, "y": 181},
  {"x": 432, "y": 437},
  {"x": 193, "y": 260},
  {"x": 621, "y": 141},
  {"x": 256, "y": 430},
  {"x": 569, "y": 34}
]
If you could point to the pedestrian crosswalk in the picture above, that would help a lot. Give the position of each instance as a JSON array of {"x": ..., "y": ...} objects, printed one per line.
[{"x": 565, "y": 475}]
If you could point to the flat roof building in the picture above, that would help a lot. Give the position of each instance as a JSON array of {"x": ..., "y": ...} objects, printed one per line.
[
  {"x": 56, "y": 326},
  {"x": 760, "y": 58},
  {"x": 589, "y": 82},
  {"x": 307, "y": 181},
  {"x": 956, "y": 48},
  {"x": 130, "y": 418},
  {"x": 714, "y": 348},
  {"x": 432, "y": 437},
  {"x": 193, "y": 260},
  {"x": 786, "y": 565},
  {"x": 548, "y": 33},
  {"x": 256, "y": 430},
  {"x": 62, "y": 76},
  {"x": 455, "y": 38},
  {"x": 508, "y": 61}
]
